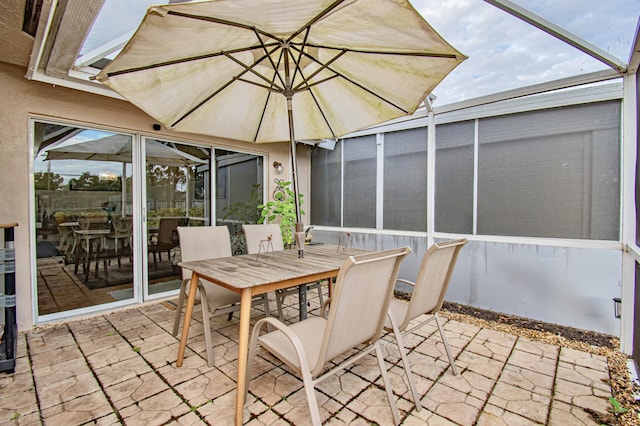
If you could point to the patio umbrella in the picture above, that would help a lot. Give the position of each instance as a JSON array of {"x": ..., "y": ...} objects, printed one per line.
[
  {"x": 118, "y": 148},
  {"x": 280, "y": 70}
]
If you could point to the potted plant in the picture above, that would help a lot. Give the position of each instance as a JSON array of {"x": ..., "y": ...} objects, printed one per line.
[{"x": 282, "y": 209}]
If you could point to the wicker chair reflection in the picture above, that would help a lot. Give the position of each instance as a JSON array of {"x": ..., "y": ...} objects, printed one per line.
[
  {"x": 256, "y": 233},
  {"x": 356, "y": 316},
  {"x": 117, "y": 244},
  {"x": 427, "y": 298},
  {"x": 88, "y": 240}
]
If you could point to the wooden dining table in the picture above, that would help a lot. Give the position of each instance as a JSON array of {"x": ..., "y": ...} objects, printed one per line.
[{"x": 250, "y": 275}]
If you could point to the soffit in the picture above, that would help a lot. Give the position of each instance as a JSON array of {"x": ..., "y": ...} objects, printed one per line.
[
  {"x": 72, "y": 22},
  {"x": 15, "y": 45}
]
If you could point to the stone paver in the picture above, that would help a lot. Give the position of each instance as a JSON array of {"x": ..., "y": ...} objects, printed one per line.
[{"x": 119, "y": 368}]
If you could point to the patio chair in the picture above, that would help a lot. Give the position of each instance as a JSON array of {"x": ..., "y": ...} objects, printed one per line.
[
  {"x": 120, "y": 237},
  {"x": 166, "y": 239},
  {"x": 356, "y": 316},
  {"x": 117, "y": 244},
  {"x": 427, "y": 298},
  {"x": 206, "y": 242},
  {"x": 254, "y": 234}
]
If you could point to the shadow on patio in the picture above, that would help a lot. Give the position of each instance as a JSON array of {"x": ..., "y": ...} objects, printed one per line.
[{"x": 120, "y": 368}]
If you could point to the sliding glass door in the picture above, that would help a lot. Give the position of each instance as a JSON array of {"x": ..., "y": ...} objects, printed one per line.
[
  {"x": 238, "y": 192},
  {"x": 107, "y": 207},
  {"x": 178, "y": 193},
  {"x": 83, "y": 185}
]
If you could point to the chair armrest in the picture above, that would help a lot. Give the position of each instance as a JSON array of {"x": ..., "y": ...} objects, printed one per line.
[
  {"x": 323, "y": 308},
  {"x": 411, "y": 283},
  {"x": 289, "y": 334}
]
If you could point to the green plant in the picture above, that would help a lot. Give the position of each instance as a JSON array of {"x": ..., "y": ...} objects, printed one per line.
[
  {"x": 283, "y": 209},
  {"x": 617, "y": 407}
]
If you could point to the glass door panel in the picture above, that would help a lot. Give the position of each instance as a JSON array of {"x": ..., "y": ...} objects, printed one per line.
[
  {"x": 239, "y": 192},
  {"x": 83, "y": 205},
  {"x": 177, "y": 194}
]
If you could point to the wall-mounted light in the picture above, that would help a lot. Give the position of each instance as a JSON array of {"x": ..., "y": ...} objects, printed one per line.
[
  {"x": 278, "y": 166},
  {"x": 617, "y": 305}
]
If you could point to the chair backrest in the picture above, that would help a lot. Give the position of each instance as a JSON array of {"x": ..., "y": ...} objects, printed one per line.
[
  {"x": 433, "y": 280},
  {"x": 166, "y": 229},
  {"x": 363, "y": 291},
  {"x": 253, "y": 234},
  {"x": 123, "y": 225},
  {"x": 203, "y": 242}
]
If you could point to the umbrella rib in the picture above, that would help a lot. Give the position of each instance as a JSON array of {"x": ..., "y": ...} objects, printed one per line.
[
  {"x": 221, "y": 22},
  {"x": 190, "y": 59},
  {"x": 269, "y": 88},
  {"x": 264, "y": 111},
  {"x": 297, "y": 67},
  {"x": 313, "y": 96},
  {"x": 268, "y": 54},
  {"x": 272, "y": 85},
  {"x": 315, "y": 19},
  {"x": 227, "y": 84},
  {"x": 266, "y": 103},
  {"x": 308, "y": 86},
  {"x": 389, "y": 52},
  {"x": 371, "y": 92},
  {"x": 319, "y": 70}
]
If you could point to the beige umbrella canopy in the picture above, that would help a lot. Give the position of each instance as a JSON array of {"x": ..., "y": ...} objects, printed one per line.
[
  {"x": 118, "y": 148},
  {"x": 278, "y": 70}
]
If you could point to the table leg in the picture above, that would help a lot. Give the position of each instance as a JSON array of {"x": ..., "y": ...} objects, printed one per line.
[
  {"x": 243, "y": 351},
  {"x": 302, "y": 298},
  {"x": 191, "y": 300}
]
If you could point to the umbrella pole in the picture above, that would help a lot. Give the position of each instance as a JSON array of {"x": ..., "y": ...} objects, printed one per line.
[
  {"x": 302, "y": 289},
  {"x": 299, "y": 225}
]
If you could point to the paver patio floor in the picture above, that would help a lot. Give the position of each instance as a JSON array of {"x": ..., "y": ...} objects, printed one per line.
[{"x": 119, "y": 368}]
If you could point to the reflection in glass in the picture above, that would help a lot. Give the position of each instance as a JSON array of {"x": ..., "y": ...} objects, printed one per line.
[
  {"x": 239, "y": 192},
  {"x": 177, "y": 194},
  {"x": 82, "y": 187}
]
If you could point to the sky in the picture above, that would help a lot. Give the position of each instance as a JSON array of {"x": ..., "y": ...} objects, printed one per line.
[{"x": 504, "y": 52}]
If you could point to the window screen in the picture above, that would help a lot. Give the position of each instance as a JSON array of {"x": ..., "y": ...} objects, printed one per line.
[
  {"x": 405, "y": 180},
  {"x": 552, "y": 173},
  {"x": 454, "y": 177},
  {"x": 326, "y": 176},
  {"x": 360, "y": 182}
]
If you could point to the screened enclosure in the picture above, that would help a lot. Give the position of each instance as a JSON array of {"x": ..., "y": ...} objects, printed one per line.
[
  {"x": 536, "y": 190},
  {"x": 552, "y": 173}
]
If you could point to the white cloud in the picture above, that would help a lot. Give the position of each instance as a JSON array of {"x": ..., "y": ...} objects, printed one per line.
[{"x": 505, "y": 52}]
